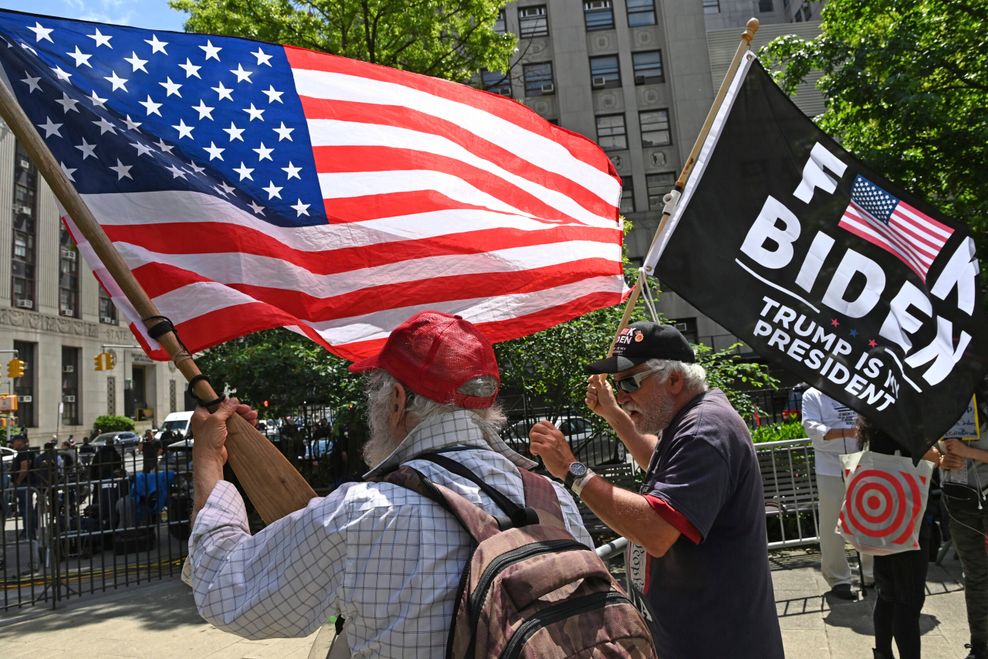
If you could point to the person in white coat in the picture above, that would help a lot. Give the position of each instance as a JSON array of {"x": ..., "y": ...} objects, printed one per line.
[{"x": 831, "y": 426}]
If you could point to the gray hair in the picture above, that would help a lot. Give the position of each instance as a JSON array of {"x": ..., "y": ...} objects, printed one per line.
[
  {"x": 694, "y": 376},
  {"x": 419, "y": 408}
]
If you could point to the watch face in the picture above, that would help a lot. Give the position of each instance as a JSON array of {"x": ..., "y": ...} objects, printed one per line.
[{"x": 578, "y": 470}]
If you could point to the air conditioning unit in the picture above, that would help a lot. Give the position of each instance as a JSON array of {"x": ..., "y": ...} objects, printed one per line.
[
  {"x": 504, "y": 91},
  {"x": 547, "y": 88},
  {"x": 26, "y": 210},
  {"x": 598, "y": 81},
  {"x": 107, "y": 320},
  {"x": 682, "y": 327},
  {"x": 68, "y": 368},
  {"x": 639, "y": 79},
  {"x": 25, "y": 304},
  {"x": 26, "y": 399},
  {"x": 596, "y": 4},
  {"x": 68, "y": 399},
  {"x": 67, "y": 312},
  {"x": 68, "y": 255}
]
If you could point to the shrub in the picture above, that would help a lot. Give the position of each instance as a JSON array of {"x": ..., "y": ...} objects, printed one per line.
[
  {"x": 776, "y": 432},
  {"x": 107, "y": 423}
]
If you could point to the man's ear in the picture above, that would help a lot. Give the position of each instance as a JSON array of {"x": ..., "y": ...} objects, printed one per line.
[
  {"x": 396, "y": 409},
  {"x": 675, "y": 383}
]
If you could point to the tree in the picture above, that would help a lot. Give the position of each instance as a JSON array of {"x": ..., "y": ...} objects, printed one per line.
[
  {"x": 450, "y": 39},
  {"x": 906, "y": 83},
  {"x": 282, "y": 368}
]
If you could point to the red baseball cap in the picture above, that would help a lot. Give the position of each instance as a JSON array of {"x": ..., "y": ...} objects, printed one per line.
[{"x": 434, "y": 354}]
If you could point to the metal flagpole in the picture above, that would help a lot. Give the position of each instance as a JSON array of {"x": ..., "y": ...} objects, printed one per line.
[
  {"x": 751, "y": 27},
  {"x": 274, "y": 486}
]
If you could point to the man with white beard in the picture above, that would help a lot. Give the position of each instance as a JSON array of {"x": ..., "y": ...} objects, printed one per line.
[
  {"x": 382, "y": 556},
  {"x": 698, "y": 550}
]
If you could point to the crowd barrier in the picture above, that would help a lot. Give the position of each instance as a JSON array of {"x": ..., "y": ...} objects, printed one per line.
[{"x": 70, "y": 534}]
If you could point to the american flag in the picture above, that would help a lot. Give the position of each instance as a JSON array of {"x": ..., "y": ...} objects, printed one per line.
[
  {"x": 890, "y": 223},
  {"x": 250, "y": 186}
]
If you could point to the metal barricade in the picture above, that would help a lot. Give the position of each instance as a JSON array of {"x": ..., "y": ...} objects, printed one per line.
[
  {"x": 789, "y": 481},
  {"x": 71, "y": 535}
]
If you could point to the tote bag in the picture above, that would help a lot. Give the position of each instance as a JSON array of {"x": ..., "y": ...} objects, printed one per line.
[{"x": 884, "y": 501}]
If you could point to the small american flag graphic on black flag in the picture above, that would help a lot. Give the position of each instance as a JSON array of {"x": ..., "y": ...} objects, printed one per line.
[{"x": 890, "y": 223}]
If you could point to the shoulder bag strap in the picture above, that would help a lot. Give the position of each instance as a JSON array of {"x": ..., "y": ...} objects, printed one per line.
[
  {"x": 516, "y": 515},
  {"x": 540, "y": 495}
]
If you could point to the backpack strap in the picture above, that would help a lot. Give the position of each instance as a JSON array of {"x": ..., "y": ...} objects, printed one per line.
[
  {"x": 516, "y": 515},
  {"x": 475, "y": 520},
  {"x": 540, "y": 496}
]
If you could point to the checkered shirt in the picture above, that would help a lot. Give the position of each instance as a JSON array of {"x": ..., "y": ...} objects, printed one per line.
[{"x": 384, "y": 557}]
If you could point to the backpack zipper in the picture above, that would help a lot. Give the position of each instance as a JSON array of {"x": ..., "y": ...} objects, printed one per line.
[{"x": 558, "y": 612}]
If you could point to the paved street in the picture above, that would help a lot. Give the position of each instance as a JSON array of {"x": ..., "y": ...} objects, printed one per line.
[{"x": 159, "y": 620}]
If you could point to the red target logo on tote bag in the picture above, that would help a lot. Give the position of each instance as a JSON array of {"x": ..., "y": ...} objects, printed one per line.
[{"x": 884, "y": 501}]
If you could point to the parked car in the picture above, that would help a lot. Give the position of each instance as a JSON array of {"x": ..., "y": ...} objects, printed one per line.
[
  {"x": 320, "y": 448},
  {"x": 578, "y": 431},
  {"x": 177, "y": 457},
  {"x": 122, "y": 439}
]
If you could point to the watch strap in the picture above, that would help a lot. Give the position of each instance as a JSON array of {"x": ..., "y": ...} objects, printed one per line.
[{"x": 580, "y": 483}]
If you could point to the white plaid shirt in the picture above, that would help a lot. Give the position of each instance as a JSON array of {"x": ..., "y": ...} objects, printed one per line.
[{"x": 384, "y": 557}]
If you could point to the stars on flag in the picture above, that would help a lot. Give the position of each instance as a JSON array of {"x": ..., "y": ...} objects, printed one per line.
[{"x": 135, "y": 110}]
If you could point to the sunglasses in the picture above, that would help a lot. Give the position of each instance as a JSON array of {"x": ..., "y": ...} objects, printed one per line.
[{"x": 633, "y": 383}]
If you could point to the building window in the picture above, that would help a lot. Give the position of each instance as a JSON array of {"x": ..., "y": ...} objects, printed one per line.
[
  {"x": 641, "y": 12},
  {"x": 68, "y": 275},
  {"x": 70, "y": 386},
  {"x": 711, "y": 6},
  {"x": 538, "y": 79},
  {"x": 655, "y": 127},
  {"x": 648, "y": 67},
  {"x": 611, "y": 133},
  {"x": 533, "y": 22},
  {"x": 24, "y": 385},
  {"x": 107, "y": 311},
  {"x": 496, "y": 83},
  {"x": 765, "y": 5},
  {"x": 500, "y": 25},
  {"x": 24, "y": 238},
  {"x": 628, "y": 196},
  {"x": 657, "y": 186},
  {"x": 605, "y": 72},
  {"x": 598, "y": 14}
]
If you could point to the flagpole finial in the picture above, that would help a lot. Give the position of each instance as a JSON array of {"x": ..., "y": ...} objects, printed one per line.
[{"x": 751, "y": 27}]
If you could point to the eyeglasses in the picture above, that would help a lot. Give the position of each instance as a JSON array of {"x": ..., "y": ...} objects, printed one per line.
[{"x": 633, "y": 383}]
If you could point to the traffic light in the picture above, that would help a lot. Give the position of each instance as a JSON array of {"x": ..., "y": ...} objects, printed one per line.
[
  {"x": 104, "y": 361},
  {"x": 15, "y": 368}
]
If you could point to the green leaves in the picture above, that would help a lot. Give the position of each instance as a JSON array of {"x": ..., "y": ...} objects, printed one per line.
[{"x": 450, "y": 39}]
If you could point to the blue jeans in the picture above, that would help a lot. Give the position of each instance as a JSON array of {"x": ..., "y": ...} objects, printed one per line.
[{"x": 28, "y": 511}]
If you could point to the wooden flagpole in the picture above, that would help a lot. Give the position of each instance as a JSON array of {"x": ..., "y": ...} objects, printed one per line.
[
  {"x": 751, "y": 27},
  {"x": 274, "y": 486}
]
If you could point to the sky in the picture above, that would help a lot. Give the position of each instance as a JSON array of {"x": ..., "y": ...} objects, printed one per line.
[{"x": 151, "y": 14}]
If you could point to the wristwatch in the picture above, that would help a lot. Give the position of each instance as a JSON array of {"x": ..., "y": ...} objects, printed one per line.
[{"x": 576, "y": 470}]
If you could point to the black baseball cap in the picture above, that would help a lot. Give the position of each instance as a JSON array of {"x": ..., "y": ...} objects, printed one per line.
[{"x": 641, "y": 341}]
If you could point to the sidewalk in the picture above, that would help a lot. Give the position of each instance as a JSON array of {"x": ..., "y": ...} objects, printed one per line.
[{"x": 160, "y": 620}]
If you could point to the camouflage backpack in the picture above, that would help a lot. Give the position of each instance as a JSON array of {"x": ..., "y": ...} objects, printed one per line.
[{"x": 530, "y": 589}]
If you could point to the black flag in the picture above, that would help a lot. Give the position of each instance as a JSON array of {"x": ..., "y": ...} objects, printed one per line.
[{"x": 826, "y": 268}]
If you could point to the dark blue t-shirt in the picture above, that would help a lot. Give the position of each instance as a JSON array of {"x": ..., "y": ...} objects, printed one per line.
[{"x": 714, "y": 598}]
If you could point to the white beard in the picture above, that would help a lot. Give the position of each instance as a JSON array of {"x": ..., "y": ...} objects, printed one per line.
[{"x": 382, "y": 441}]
